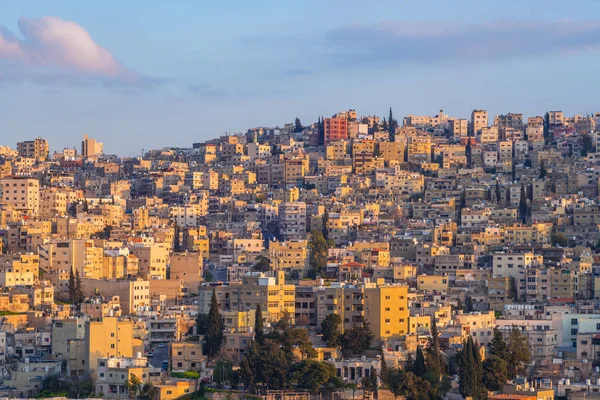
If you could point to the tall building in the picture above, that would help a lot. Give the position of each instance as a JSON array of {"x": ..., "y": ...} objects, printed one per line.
[
  {"x": 22, "y": 194},
  {"x": 292, "y": 220},
  {"x": 37, "y": 148},
  {"x": 91, "y": 147},
  {"x": 335, "y": 129},
  {"x": 107, "y": 337},
  {"x": 479, "y": 120}
]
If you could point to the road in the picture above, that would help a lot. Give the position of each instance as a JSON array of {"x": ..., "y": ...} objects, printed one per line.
[{"x": 160, "y": 354}]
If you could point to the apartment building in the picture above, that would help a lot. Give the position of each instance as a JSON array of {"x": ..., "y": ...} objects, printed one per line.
[{"x": 21, "y": 194}]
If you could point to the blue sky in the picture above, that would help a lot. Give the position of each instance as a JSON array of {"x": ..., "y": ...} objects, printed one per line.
[{"x": 147, "y": 74}]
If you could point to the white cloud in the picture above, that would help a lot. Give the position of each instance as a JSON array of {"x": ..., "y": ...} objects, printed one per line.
[{"x": 53, "y": 42}]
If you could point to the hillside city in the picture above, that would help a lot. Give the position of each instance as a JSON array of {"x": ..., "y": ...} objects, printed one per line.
[{"x": 416, "y": 257}]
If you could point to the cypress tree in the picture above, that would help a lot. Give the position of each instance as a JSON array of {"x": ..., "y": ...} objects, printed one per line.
[
  {"x": 470, "y": 370},
  {"x": 497, "y": 346},
  {"x": 258, "y": 325},
  {"x": 214, "y": 335},
  {"x": 419, "y": 367},
  {"x": 542, "y": 170},
  {"x": 71, "y": 286},
  {"x": 434, "y": 359},
  {"x": 468, "y": 151},
  {"x": 523, "y": 204},
  {"x": 498, "y": 194},
  {"x": 78, "y": 289}
]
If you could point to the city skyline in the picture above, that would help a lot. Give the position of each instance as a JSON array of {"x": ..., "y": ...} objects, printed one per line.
[{"x": 175, "y": 75}]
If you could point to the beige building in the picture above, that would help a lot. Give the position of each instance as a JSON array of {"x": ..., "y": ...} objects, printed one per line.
[
  {"x": 479, "y": 120},
  {"x": 133, "y": 294},
  {"x": 153, "y": 259},
  {"x": 91, "y": 147},
  {"x": 22, "y": 194},
  {"x": 187, "y": 267},
  {"x": 37, "y": 148}
]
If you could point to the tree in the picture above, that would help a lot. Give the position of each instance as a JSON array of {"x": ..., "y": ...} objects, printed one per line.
[
  {"x": 523, "y": 208},
  {"x": 134, "y": 386},
  {"x": 519, "y": 353},
  {"x": 313, "y": 375},
  {"x": 419, "y": 366},
  {"x": 177, "y": 240},
  {"x": 369, "y": 384},
  {"x": 559, "y": 239},
  {"x": 497, "y": 346},
  {"x": 202, "y": 324},
  {"x": 357, "y": 339},
  {"x": 469, "y": 152},
  {"x": 208, "y": 276},
  {"x": 435, "y": 363},
  {"x": 297, "y": 125},
  {"x": 259, "y": 330},
  {"x": 470, "y": 370},
  {"x": 215, "y": 333},
  {"x": 224, "y": 371},
  {"x": 392, "y": 126},
  {"x": 587, "y": 144},
  {"x": 498, "y": 194},
  {"x": 71, "y": 286},
  {"x": 318, "y": 247},
  {"x": 325, "y": 219},
  {"x": 546, "y": 127},
  {"x": 263, "y": 264},
  {"x": 78, "y": 299},
  {"x": 86, "y": 207},
  {"x": 330, "y": 328},
  {"x": 384, "y": 125},
  {"x": 542, "y": 170},
  {"x": 494, "y": 373}
]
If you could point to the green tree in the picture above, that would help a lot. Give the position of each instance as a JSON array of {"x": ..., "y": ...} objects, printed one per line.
[
  {"x": 498, "y": 195},
  {"x": 419, "y": 366},
  {"x": 224, "y": 371},
  {"x": 325, "y": 219},
  {"x": 78, "y": 289},
  {"x": 177, "y": 240},
  {"x": 318, "y": 248},
  {"x": 134, "y": 386},
  {"x": 263, "y": 264},
  {"x": 494, "y": 373},
  {"x": 202, "y": 324},
  {"x": 298, "y": 125},
  {"x": 469, "y": 152},
  {"x": 357, "y": 339},
  {"x": 384, "y": 125},
  {"x": 470, "y": 370},
  {"x": 497, "y": 346},
  {"x": 542, "y": 170},
  {"x": 259, "y": 329},
  {"x": 546, "y": 127},
  {"x": 312, "y": 375},
  {"x": 86, "y": 207},
  {"x": 523, "y": 208},
  {"x": 392, "y": 126},
  {"x": 370, "y": 384},
  {"x": 559, "y": 239},
  {"x": 330, "y": 328},
  {"x": 215, "y": 333},
  {"x": 519, "y": 353},
  {"x": 434, "y": 361},
  {"x": 72, "y": 286},
  {"x": 208, "y": 276},
  {"x": 587, "y": 144}
]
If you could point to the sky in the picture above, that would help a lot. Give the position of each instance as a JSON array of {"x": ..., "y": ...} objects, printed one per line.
[{"x": 141, "y": 75}]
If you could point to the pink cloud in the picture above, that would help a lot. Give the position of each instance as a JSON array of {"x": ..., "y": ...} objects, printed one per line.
[{"x": 53, "y": 42}]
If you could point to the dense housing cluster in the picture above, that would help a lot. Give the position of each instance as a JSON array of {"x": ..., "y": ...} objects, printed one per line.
[{"x": 425, "y": 257}]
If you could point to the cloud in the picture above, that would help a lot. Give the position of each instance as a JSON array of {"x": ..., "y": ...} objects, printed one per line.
[
  {"x": 59, "y": 46},
  {"x": 397, "y": 42}
]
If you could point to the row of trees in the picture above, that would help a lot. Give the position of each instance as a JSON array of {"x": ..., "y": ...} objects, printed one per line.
[{"x": 272, "y": 363}]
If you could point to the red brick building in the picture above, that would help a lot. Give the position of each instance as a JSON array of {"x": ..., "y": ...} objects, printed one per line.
[{"x": 335, "y": 129}]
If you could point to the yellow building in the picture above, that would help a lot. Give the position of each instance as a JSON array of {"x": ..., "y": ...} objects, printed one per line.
[
  {"x": 173, "y": 389},
  {"x": 185, "y": 356},
  {"x": 152, "y": 259},
  {"x": 433, "y": 283},
  {"x": 291, "y": 255},
  {"x": 384, "y": 307},
  {"x": 107, "y": 337},
  {"x": 22, "y": 269}
]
